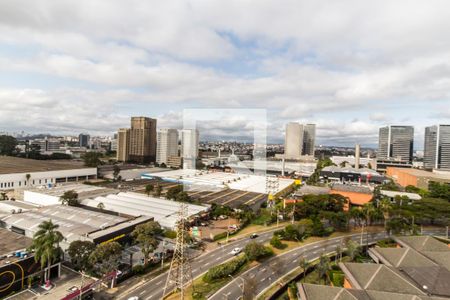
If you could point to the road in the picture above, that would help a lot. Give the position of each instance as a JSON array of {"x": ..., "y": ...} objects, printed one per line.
[
  {"x": 153, "y": 289},
  {"x": 261, "y": 277}
]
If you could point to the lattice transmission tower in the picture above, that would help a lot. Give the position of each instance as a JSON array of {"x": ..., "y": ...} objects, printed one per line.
[{"x": 180, "y": 273}]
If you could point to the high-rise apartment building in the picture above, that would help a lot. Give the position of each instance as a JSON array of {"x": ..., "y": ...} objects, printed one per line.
[
  {"x": 309, "y": 139},
  {"x": 437, "y": 147},
  {"x": 299, "y": 140},
  {"x": 167, "y": 145},
  {"x": 123, "y": 143},
  {"x": 396, "y": 143},
  {"x": 138, "y": 144},
  {"x": 293, "y": 143},
  {"x": 84, "y": 140},
  {"x": 189, "y": 147}
]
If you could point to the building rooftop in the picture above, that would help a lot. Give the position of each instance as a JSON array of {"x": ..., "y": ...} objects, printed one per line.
[
  {"x": 325, "y": 292},
  {"x": 165, "y": 212},
  {"x": 422, "y": 243},
  {"x": 422, "y": 173},
  {"x": 393, "y": 194},
  {"x": 352, "y": 188},
  {"x": 11, "y": 165},
  {"x": 83, "y": 190},
  {"x": 12, "y": 241},
  {"x": 72, "y": 221}
]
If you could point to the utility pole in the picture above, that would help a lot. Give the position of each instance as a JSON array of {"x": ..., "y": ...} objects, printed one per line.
[
  {"x": 81, "y": 285},
  {"x": 362, "y": 232},
  {"x": 293, "y": 214},
  {"x": 180, "y": 273}
]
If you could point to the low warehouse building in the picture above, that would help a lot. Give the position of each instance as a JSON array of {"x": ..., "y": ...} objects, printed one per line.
[
  {"x": 75, "y": 223},
  {"x": 16, "y": 173},
  {"x": 417, "y": 178},
  {"x": 165, "y": 212},
  {"x": 51, "y": 195}
]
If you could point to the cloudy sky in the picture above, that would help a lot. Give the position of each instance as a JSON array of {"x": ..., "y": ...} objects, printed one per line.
[{"x": 348, "y": 66}]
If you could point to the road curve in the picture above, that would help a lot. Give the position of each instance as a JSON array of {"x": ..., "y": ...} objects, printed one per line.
[{"x": 153, "y": 289}]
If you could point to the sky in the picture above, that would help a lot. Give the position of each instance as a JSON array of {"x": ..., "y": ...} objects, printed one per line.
[{"x": 348, "y": 66}]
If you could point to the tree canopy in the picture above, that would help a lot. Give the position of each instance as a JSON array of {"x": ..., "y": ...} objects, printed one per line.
[
  {"x": 145, "y": 234},
  {"x": 8, "y": 145},
  {"x": 106, "y": 257},
  {"x": 92, "y": 159},
  {"x": 79, "y": 252}
]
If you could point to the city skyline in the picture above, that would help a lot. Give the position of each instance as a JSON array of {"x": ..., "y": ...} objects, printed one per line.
[{"x": 59, "y": 77}]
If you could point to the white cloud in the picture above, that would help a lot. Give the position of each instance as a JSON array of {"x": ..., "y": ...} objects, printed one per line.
[{"x": 377, "y": 61}]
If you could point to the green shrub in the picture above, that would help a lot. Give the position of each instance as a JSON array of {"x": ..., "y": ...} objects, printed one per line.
[
  {"x": 139, "y": 269},
  {"x": 225, "y": 269},
  {"x": 257, "y": 251},
  {"x": 170, "y": 234},
  {"x": 276, "y": 242},
  {"x": 220, "y": 236}
]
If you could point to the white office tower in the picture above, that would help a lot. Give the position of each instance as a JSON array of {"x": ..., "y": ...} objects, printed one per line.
[
  {"x": 437, "y": 147},
  {"x": 189, "y": 147},
  {"x": 166, "y": 145},
  {"x": 309, "y": 139},
  {"x": 396, "y": 143},
  {"x": 293, "y": 144}
]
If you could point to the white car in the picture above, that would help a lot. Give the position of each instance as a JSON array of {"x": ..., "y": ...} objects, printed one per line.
[
  {"x": 134, "y": 298},
  {"x": 236, "y": 251}
]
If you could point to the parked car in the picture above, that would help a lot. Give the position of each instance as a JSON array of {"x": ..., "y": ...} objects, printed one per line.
[{"x": 236, "y": 251}]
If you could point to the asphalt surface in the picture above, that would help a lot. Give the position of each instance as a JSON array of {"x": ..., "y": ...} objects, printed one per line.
[
  {"x": 153, "y": 289},
  {"x": 264, "y": 275},
  {"x": 260, "y": 278}
]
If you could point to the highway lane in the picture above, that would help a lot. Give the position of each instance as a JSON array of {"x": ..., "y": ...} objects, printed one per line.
[
  {"x": 264, "y": 275},
  {"x": 153, "y": 289}
]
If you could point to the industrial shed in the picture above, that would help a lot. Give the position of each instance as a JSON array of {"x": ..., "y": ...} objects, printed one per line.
[{"x": 134, "y": 204}]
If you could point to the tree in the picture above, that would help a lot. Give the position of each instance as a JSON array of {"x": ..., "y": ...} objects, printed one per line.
[
  {"x": 106, "y": 257},
  {"x": 158, "y": 190},
  {"x": 304, "y": 264},
  {"x": 145, "y": 235},
  {"x": 101, "y": 206},
  {"x": 385, "y": 206},
  {"x": 79, "y": 252},
  {"x": 116, "y": 172},
  {"x": 439, "y": 190},
  {"x": 149, "y": 188},
  {"x": 338, "y": 253},
  {"x": 8, "y": 145},
  {"x": 46, "y": 245},
  {"x": 173, "y": 192},
  {"x": 357, "y": 215},
  {"x": 27, "y": 177},
  {"x": 92, "y": 159},
  {"x": 3, "y": 196},
  {"x": 183, "y": 197},
  {"x": 323, "y": 267},
  {"x": 369, "y": 212},
  {"x": 69, "y": 198},
  {"x": 255, "y": 251},
  {"x": 353, "y": 249}
]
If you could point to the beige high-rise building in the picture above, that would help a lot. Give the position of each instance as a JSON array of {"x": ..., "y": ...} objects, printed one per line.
[
  {"x": 293, "y": 144},
  {"x": 140, "y": 141},
  {"x": 167, "y": 145},
  {"x": 123, "y": 142}
]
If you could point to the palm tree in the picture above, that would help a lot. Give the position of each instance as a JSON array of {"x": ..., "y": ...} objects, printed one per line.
[
  {"x": 304, "y": 264},
  {"x": 357, "y": 215},
  {"x": 353, "y": 249},
  {"x": 369, "y": 212},
  {"x": 323, "y": 267},
  {"x": 385, "y": 206},
  {"x": 28, "y": 176},
  {"x": 46, "y": 245},
  {"x": 149, "y": 188}
]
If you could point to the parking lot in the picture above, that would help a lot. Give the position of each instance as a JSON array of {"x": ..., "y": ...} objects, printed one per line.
[{"x": 229, "y": 197}]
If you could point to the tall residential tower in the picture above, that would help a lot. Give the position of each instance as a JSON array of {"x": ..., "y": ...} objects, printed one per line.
[
  {"x": 299, "y": 140},
  {"x": 138, "y": 144},
  {"x": 437, "y": 147},
  {"x": 167, "y": 145},
  {"x": 396, "y": 143}
]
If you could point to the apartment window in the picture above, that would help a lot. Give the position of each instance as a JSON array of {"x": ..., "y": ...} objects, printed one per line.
[
  {"x": 33, "y": 181},
  {"x": 45, "y": 180},
  {"x": 40, "y": 181},
  {"x": 20, "y": 183}
]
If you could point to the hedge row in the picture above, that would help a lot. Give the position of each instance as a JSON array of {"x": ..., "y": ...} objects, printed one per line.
[{"x": 225, "y": 269}]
